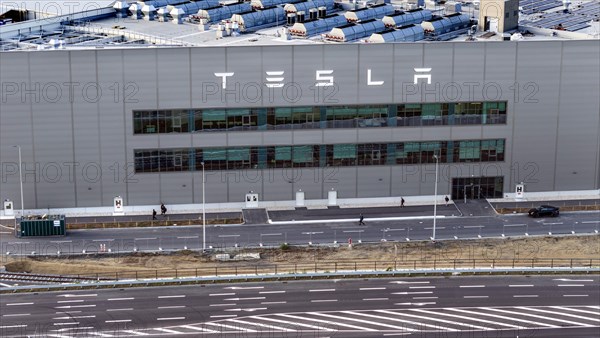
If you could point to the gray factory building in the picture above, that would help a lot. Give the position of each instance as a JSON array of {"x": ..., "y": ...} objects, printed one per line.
[{"x": 367, "y": 120}]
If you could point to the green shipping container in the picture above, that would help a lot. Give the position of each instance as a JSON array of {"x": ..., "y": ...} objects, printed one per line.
[{"x": 42, "y": 226}]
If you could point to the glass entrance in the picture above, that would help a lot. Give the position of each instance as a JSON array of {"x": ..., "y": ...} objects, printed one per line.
[{"x": 477, "y": 187}]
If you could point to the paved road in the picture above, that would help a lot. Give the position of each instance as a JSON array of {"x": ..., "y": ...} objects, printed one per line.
[
  {"x": 177, "y": 238},
  {"x": 526, "y": 306}
]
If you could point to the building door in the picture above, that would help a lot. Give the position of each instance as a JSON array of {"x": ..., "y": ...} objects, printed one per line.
[
  {"x": 477, "y": 187},
  {"x": 493, "y": 25}
]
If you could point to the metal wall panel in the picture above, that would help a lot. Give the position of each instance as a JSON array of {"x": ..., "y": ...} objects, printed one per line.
[
  {"x": 88, "y": 173},
  {"x": 379, "y": 60},
  {"x": 174, "y": 76},
  {"x": 534, "y": 71},
  {"x": 52, "y": 129},
  {"x": 579, "y": 121},
  {"x": 113, "y": 126},
  {"x": 99, "y": 131}
]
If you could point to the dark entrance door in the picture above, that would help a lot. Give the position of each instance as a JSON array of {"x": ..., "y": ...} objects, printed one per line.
[{"x": 477, "y": 187}]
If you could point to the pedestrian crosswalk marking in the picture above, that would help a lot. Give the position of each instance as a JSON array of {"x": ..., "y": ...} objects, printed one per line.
[
  {"x": 560, "y": 314},
  {"x": 472, "y": 319},
  {"x": 541, "y": 317},
  {"x": 293, "y": 323},
  {"x": 436, "y": 320},
  {"x": 504, "y": 317},
  {"x": 391, "y": 321},
  {"x": 402, "y": 321}
]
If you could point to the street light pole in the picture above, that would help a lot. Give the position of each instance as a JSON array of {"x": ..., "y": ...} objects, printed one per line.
[
  {"x": 435, "y": 195},
  {"x": 203, "y": 211},
  {"x": 21, "y": 181}
]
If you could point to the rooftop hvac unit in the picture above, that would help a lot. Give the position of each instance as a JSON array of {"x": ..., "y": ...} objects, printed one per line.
[
  {"x": 300, "y": 17},
  {"x": 313, "y": 12},
  {"x": 322, "y": 11},
  {"x": 291, "y": 19}
]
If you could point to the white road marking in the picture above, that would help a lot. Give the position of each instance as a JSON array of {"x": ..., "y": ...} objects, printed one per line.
[
  {"x": 520, "y": 286},
  {"x": 113, "y": 299},
  {"x": 472, "y": 286},
  {"x": 221, "y": 294},
  {"x": 587, "y": 222},
  {"x": 71, "y": 301},
  {"x": 17, "y": 314},
  {"x": 570, "y": 285},
  {"x": 5, "y": 285},
  {"x": 421, "y": 287},
  {"x": 434, "y": 319},
  {"x": 439, "y": 228},
  {"x": 321, "y": 290},
  {"x": 469, "y": 318},
  {"x": 171, "y": 307},
  {"x": 525, "y": 296},
  {"x": 393, "y": 320},
  {"x": 58, "y": 242},
  {"x": 277, "y": 234},
  {"x": 75, "y": 317},
  {"x": 66, "y": 312},
  {"x": 244, "y": 287},
  {"x": 515, "y": 225},
  {"x": 62, "y": 324},
  {"x": 15, "y": 304},
  {"x": 318, "y": 328},
  {"x": 478, "y": 314},
  {"x": 187, "y": 237},
  {"x": 191, "y": 327},
  {"x": 178, "y": 296},
  {"x": 58, "y": 336},
  {"x": 167, "y": 330},
  {"x": 473, "y": 226},
  {"x": 228, "y": 236},
  {"x": 269, "y": 292},
  {"x": 369, "y": 289},
  {"x": 266, "y": 303},
  {"x": 126, "y": 309},
  {"x": 74, "y": 306},
  {"x": 367, "y": 299},
  {"x": 144, "y": 239},
  {"x": 77, "y": 295},
  {"x": 170, "y": 318},
  {"x": 559, "y": 313},
  {"x": 229, "y": 304},
  {"x": 247, "y": 298},
  {"x": 541, "y": 317},
  {"x": 405, "y": 282},
  {"x": 223, "y": 316},
  {"x": 412, "y": 293},
  {"x": 12, "y": 326},
  {"x": 237, "y": 328},
  {"x": 247, "y": 309},
  {"x": 576, "y": 310},
  {"x": 573, "y": 280},
  {"x": 337, "y": 323},
  {"x": 323, "y": 300},
  {"x": 118, "y": 321},
  {"x": 575, "y": 295},
  {"x": 557, "y": 223},
  {"x": 417, "y": 304},
  {"x": 476, "y": 296},
  {"x": 425, "y": 298},
  {"x": 261, "y": 325},
  {"x": 103, "y": 240},
  {"x": 136, "y": 332}
]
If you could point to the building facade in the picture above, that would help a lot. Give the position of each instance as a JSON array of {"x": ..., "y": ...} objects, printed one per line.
[{"x": 365, "y": 120}]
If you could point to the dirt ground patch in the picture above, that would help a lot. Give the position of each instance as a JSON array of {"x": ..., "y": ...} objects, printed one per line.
[{"x": 557, "y": 248}]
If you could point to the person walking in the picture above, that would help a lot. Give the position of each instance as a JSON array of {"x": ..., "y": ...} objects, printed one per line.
[
  {"x": 153, "y": 214},
  {"x": 447, "y": 200},
  {"x": 402, "y": 202},
  {"x": 360, "y": 220},
  {"x": 163, "y": 209}
]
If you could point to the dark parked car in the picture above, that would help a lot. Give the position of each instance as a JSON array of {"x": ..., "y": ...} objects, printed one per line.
[{"x": 544, "y": 210}]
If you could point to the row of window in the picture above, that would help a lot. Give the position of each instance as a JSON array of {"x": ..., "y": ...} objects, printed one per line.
[
  {"x": 426, "y": 114},
  {"x": 186, "y": 159}
]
